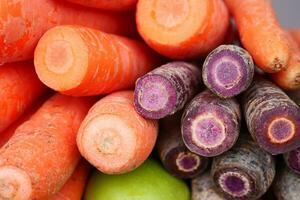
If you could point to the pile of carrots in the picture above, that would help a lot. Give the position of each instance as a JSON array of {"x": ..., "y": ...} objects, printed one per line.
[{"x": 86, "y": 84}]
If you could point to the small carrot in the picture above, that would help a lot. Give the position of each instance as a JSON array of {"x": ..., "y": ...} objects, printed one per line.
[
  {"x": 23, "y": 22},
  {"x": 114, "y": 137},
  {"x": 182, "y": 29},
  {"x": 289, "y": 78},
  {"x": 80, "y": 61},
  {"x": 74, "y": 187},
  {"x": 260, "y": 33},
  {"x": 20, "y": 88},
  {"x": 295, "y": 33},
  {"x": 108, "y": 4},
  {"x": 42, "y": 154}
]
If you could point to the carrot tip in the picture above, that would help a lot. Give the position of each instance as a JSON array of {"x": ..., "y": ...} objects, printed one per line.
[{"x": 15, "y": 184}]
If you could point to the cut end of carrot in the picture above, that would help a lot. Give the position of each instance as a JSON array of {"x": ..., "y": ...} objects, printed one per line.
[
  {"x": 15, "y": 184},
  {"x": 281, "y": 130},
  {"x": 61, "y": 51},
  {"x": 107, "y": 139},
  {"x": 187, "y": 161}
]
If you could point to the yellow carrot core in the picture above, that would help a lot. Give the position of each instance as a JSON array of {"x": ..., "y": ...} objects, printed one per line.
[{"x": 281, "y": 130}]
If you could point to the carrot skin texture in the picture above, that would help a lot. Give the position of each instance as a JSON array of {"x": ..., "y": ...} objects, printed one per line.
[
  {"x": 74, "y": 187},
  {"x": 292, "y": 160},
  {"x": 244, "y": 172},
  {"x": 20, "y": 88},
  {"x": 286, "y": 185},
  {"x": 22, "y": 24},
  {"x": 210, "y": 125},
  {"x": 43, "y": 149},
  {"x": 176, "y": 158},
  {"x": 114, "y": 137},
  {"x": 260, "y": 33},
  {"x": 295, "y": 33},
  {"x": 273, "y": 119},
  {"x": 102, "y": 62},
  {"x": 118, "y": 5},
  {"x": 228, "y": 70},
  {"x": 171, "y": 86},
  {"x": 170, "y": 31}
]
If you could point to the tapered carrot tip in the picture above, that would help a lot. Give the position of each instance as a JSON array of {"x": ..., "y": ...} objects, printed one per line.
[
  {"x": 15, "y": 184},
  {"x": 292, "y": 159}
]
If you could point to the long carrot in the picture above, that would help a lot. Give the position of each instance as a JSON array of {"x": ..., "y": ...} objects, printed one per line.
[
  {"x": 295, "y": 33},
  {"x": 182, "y": 29},
  {"x": 80, "y": 61},
  {"x": 289, "y": 78},
  {"x": 20, "y": 88},
  {"x": 260, "y": 33},
  {"x": 23, "y": 22},
  {"x": 74, "y": 187},
  {"x": 107, "y": 4},
  {"x": 114, "y": 137},
  {"x": 42, "y": 154}
]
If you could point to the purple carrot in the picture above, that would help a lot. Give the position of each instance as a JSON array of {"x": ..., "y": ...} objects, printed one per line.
[
  {"x": 292, "y": 160},
  {"x": 244, "y": 172},
  {"x": 166, "y": 89},
  {"x": 287, "y": 185},
  {"x": 273, "y": 119},
  {"x": 228, "y": 70},
  {"x": 177, "y": 159},
  {"x": 210, "y": 125}
]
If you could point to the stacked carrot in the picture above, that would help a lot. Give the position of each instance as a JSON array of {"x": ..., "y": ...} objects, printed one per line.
[{"x": 218, "y": 110}]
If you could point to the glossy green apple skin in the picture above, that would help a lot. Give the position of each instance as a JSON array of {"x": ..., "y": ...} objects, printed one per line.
[{"x": 148, "y": 182}]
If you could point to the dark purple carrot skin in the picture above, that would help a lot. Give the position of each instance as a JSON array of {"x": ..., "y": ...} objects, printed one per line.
[
  {"x": 204, "y": 188},
  {"x": 295, "y": 96},
  {"x": 244, "y": 172},
  {"x": 228, "y": 70},
  {"x": 166, "y": 89},
  {"x": 273, "y": 119},
  {"x": 286, "y": 185},
  {"x": 176, "y": 158},
  {"x": 210, "y": 125},
  {"x": 292, "y": 160}
]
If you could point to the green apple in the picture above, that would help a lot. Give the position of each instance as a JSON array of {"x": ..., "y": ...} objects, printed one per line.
[{"x": 148, "y": 182}]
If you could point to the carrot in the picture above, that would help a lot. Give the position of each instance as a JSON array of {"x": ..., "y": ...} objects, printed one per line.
[
  {"x": 20, "y": 88},
  {"x": 80, "y": 61},
  {"x": 182, "y": 29},
  {"x": 107, "y": 4},
  {"x": 289, "y": 79},
  {"x": 114, "y": 137},
  {"x": 23, "y": 22},
  {"x": 260, "y": 33},
  {"x": 74, "y": 187},
  {"x": 42, "y": 154},
  {"x": 295, "y": 33}
]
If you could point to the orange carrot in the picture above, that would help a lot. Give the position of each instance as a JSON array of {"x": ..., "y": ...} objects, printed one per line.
[
  {"x": 42, "y": 154},
  {"x": 182, "y": 29},
  {"x": 20, "y": 88},
  {"x": 107, "y": 4},
  {"x": 114, "y": 137},
  {"x": 74, "y": 187},
  {"x": 80, "y": 61},
  {"x": 289, "y": 78},
  {"x": 260, "y": 33},
  {"x": 295, "y": 33},
  {"x": 23, "y": 22}
]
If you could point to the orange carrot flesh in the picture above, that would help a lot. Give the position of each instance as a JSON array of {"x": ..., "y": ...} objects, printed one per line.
[
  {"x": 289, "y": 78},
  {"x": 20, "y": 88},
  {"x": 80, "y": 61},
  {"x": 182, "y": 29},
  {"x": 107, "y": 4},
  {"x": 260, "y": 33},
  {"x": 23, "y": 22},
  {"x": 114, "y": 137},
  {"x": 42, "y": 154},
  {"x": 295, "y": 33},
  {"x": 74, "y": 187}
]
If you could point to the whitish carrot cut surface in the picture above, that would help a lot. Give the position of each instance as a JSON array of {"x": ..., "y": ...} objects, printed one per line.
[
  {"x": 261, "y": 33},
  {"x": 23, "y": 22},
  {"x": 114, "y": 137},
  {"x": 182, "y": 29},
  {"x": 20, "y": 88},
  {"x": 42, "y": 154},
  {"x": 108, "y": 4},
  {"x": 79, "y": 61}
]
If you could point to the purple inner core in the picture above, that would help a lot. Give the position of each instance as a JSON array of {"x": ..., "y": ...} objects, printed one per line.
[
  {"x": 281, "y": 130},
  {"x": 188, "y": 162},
  {"x": 209, "y": 132},
  {"x": 227, "y": 74},
  {"x": 234, "y": 184},
  {"x": 294, "y": 159}
]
